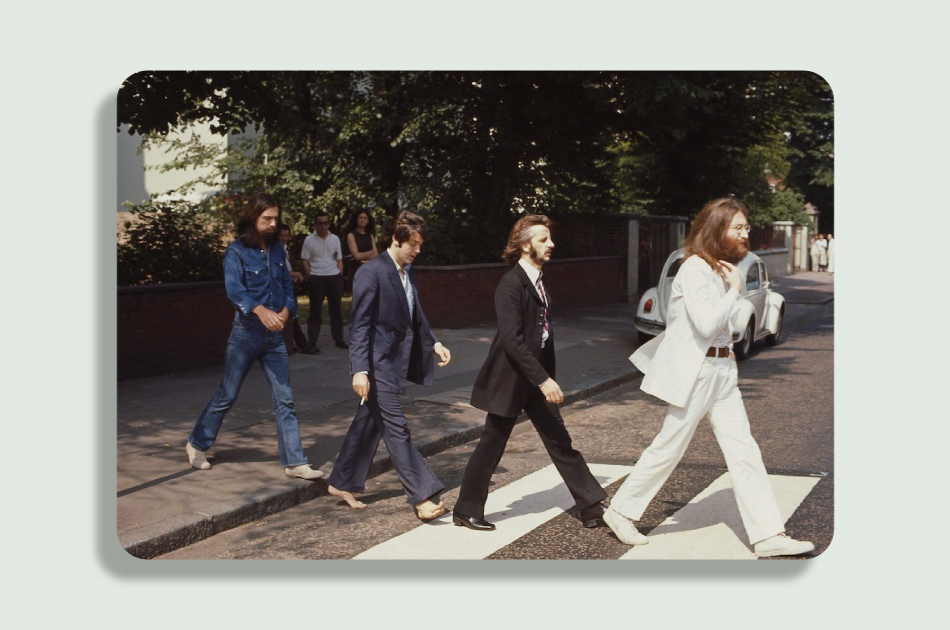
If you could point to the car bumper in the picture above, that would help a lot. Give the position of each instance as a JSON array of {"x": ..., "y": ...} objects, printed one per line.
[{"x": 648, "y": 326}]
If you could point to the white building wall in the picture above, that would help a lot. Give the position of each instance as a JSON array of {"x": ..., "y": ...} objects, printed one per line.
[{"x": 137, "y": 182}]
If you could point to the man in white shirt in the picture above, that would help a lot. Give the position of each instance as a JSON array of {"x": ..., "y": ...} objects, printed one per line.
[
  {"x": 692, "y": 367},
  {"x": 323, "y": 264}
]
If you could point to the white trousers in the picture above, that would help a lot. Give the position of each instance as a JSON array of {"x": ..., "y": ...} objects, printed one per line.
[{"x": 716, "y": 393}]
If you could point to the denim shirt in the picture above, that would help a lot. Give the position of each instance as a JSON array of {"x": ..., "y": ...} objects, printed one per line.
[{"x": 253, "y": 276}]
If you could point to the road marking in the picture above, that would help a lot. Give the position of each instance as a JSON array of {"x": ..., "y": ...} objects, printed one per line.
[
  {"x": 709, "y": 527},
  {"x": 515, "y": 509}
]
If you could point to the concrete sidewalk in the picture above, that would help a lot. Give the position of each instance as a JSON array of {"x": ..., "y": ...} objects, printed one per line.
[{"x": 164, "y": 504}]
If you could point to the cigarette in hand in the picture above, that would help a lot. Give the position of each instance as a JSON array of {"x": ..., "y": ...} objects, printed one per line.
[{"x": 362, "y": 400}]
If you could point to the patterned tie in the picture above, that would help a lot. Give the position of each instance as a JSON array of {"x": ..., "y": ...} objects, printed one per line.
[{"x": 547, "y": 318}]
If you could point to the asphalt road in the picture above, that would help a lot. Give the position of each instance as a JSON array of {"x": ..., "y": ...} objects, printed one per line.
[{"x": 789, "y": 395}]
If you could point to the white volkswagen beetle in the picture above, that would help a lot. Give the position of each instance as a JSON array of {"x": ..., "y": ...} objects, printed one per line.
[{"x": 759, "y": 314}]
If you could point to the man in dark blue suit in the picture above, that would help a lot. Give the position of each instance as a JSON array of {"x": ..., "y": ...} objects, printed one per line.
[{"x": 390, "y": 342}]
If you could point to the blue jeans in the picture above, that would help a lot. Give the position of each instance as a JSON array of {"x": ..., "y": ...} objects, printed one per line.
[{"x": 249, "y": 340}]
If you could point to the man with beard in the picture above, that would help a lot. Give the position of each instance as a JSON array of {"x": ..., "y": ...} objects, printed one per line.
[
  {"x": 519, "y": 375},
  {"x": 257, "y": 282},
  {"x": 691, "y": 366}
]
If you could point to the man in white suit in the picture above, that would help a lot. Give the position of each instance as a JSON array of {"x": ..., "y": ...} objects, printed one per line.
[{"x": 691, "y": 366}]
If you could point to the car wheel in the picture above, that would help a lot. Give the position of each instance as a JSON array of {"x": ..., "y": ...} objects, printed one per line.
[
  {"x": 643, "y": 337},
  {"x": 774, "y": 338},
  {"x": 743, "y": 347}
]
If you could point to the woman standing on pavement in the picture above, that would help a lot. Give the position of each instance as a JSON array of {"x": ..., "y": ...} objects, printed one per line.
[{"x": 361, "y": 243}]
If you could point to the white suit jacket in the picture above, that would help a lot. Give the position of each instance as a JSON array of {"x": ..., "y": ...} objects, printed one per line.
[{"x": 699, "y": 307}]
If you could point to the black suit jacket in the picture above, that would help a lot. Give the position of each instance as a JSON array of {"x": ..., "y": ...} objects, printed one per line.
[
  {"x": 516, "y": 365},
  {"x": 383, "y": 339}
]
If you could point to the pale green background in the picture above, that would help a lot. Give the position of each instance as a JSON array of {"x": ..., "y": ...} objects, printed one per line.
[{"x": 62, "y": 563}]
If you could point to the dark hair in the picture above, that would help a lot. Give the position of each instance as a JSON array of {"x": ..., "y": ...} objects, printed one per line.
[
  {"x": 247, "y": 224},
  {"x": 707, "y": 234},
  {"x": 521, "y": 234},
  {"x": 282, "y": 227},
  {"x": 370, "y": 227},
  {"x": 403, "y": 226}
]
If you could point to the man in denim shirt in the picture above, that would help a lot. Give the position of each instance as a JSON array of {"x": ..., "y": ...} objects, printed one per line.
[{"x": 258, "y": 284}]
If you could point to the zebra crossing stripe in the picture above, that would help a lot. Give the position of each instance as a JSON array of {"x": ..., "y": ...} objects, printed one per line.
[
  {"x": 515, "y": 509},
  {"x": 709, "y": 527}
]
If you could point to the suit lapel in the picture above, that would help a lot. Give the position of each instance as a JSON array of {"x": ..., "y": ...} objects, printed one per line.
[
  {"x": 526, "y": 281},
  {"x": 397, "y": 283}
]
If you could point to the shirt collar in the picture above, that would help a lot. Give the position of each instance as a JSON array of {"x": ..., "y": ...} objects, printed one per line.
[
  {"x": 406, "y": 267},
  {"x": 533, "y": 272}
]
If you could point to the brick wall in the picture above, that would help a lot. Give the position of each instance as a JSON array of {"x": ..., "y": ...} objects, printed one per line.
[
  {"x": 172, "y": 327},
  {"x": 461, "y": 296},
  {"x": 176, "y": 327}
]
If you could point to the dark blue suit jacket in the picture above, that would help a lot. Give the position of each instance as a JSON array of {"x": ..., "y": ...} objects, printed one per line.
[{"x": 383, "y": 340}]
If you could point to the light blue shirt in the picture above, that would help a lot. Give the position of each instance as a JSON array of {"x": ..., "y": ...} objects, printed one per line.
[{"x": 406, "y": 285}]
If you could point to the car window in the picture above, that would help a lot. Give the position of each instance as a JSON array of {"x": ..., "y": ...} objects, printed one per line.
[
  {"x": 763, "y": 272},
  {"x": 752, "y": 278}
]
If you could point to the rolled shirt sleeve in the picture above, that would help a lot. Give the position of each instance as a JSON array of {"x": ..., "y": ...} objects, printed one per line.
[{"x": 234, "y": 282}]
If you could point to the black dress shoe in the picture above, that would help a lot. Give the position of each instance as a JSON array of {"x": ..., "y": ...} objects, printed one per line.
[
  {"x": 593, "y": 516},
  {"x": 342, "y": 344},
  {"x": 471, "y": 522},
  {"x": 311, "y": 349}
]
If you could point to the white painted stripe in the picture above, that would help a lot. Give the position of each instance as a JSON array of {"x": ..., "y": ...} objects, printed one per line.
[
  {"x": 515, "y": 509},
  {"x": 709, "y": 527}
]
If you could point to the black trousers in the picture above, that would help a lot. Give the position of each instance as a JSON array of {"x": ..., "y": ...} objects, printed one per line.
[
  {"x": 491, "y": 446},
  {"x": 381, "y": 416},
  {"x": 331, "y": 288}
]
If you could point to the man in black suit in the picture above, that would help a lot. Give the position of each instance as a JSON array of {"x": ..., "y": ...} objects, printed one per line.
[
  {"x": 390, "y": 342},
  {"x": 519, "y": 375}
]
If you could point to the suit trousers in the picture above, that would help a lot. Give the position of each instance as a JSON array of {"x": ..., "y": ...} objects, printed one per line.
[
  {"x": 381, "y": 416},
  {"x": 331, "y": 288},
  {"x": 716, "y": 393},
  {"x": 491, "y": 446}
]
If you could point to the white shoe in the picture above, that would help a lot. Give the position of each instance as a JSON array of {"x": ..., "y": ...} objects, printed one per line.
[
  {"x": 196, "y": 458},
  {"x": 624, "y": 528},
  {"x": 782, "y": 545},
  {"x": 304, "y": 471}
]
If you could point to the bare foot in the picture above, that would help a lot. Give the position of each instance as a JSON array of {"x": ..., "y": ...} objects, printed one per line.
[
  {"x": 348, "y": 497},
  {"x": 428, "y": 510}
]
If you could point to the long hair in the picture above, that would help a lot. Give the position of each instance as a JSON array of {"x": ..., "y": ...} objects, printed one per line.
[
  {"x": 403, "y": 226},
  {"x": 707, "y": 234},
  {"x": 370, "y": 226},
  {"x": 247, "y": 224},
  {"x": 521, "y": 234}
]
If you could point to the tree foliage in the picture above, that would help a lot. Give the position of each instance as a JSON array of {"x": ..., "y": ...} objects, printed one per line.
[
  {"x": 170, "y": 242},
  {"x": 474, "y": 149}
]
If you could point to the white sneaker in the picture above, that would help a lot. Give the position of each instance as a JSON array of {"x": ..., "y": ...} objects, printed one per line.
[
  {"x": 624, "y": 528},
  {"x": 304, "y": 471},
  {"x": 196, "y": 458},
  {"x": 782, "y": 545}
]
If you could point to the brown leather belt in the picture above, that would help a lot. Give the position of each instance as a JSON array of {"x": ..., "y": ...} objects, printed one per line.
[{"x": 718, "y": 352}]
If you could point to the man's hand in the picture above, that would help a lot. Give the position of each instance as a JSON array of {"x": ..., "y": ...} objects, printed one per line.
[
  {"x": 270, "y": 319},
  {"x": 361, "y": 385},
  {"x": 443, "y": 353},
  {"x": 296, "y": 276},
  {"x": 730, "y": 274},
  {"x": 552, "y": 392}
]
